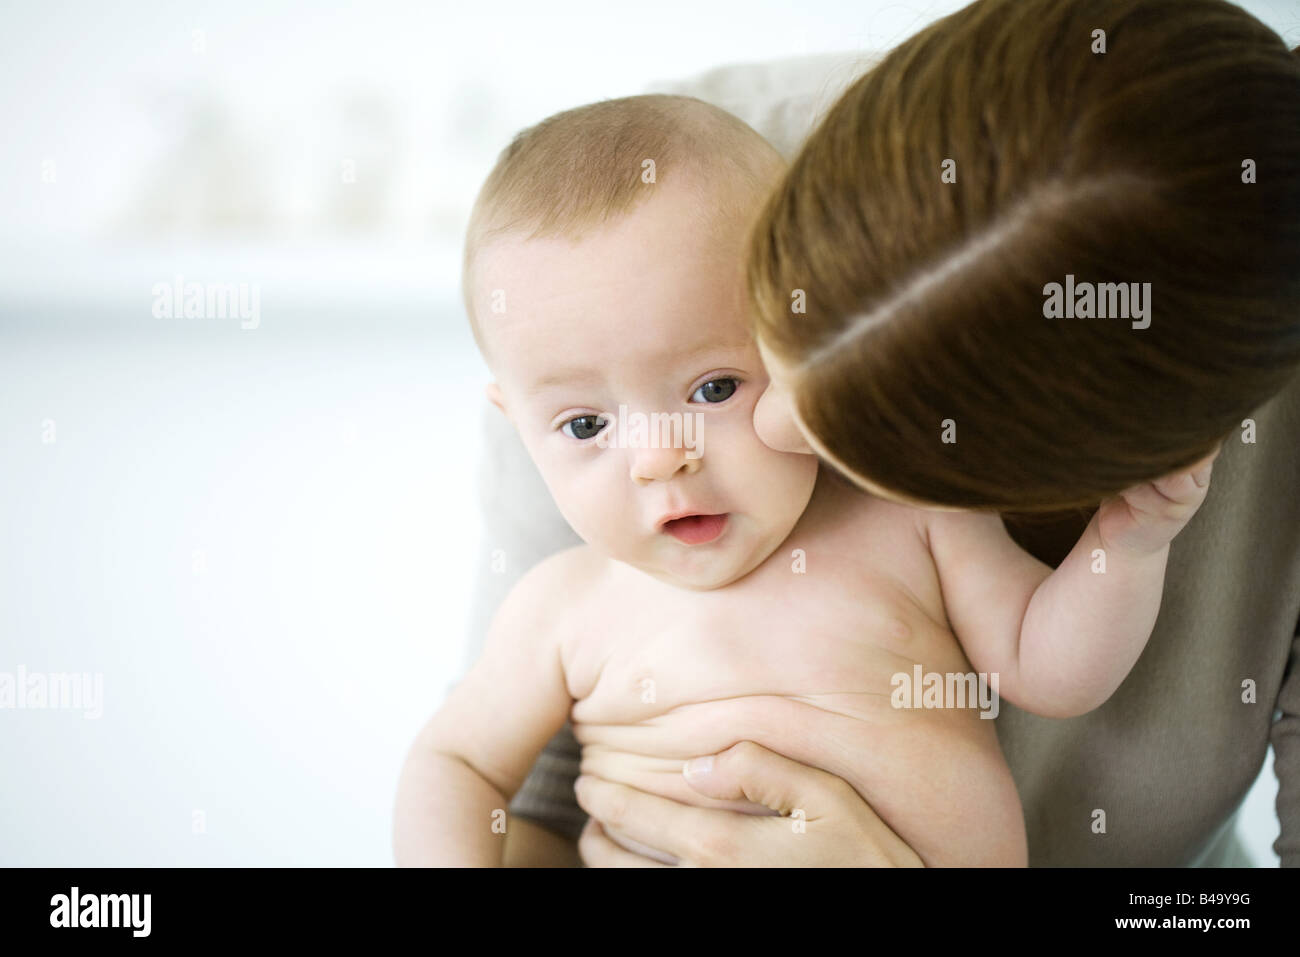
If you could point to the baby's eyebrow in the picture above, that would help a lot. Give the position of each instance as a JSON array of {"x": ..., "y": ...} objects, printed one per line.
[
  {"x": 563, "y": 377},
  {"x": 579, "y": 376}
]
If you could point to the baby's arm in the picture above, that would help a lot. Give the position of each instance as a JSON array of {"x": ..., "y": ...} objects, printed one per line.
[
  {"x": 1062, "y": 641},
  {"x": 475, "y": 752}
]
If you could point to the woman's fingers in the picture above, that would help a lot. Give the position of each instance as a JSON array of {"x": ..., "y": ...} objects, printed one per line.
[
  {"x": 748, "y": 771},
  {"x": 849, "y": 831},
  {"x": 597, "y": 850},
  {"x": 825, "y": 821},
  {"x": 692, "y": 835}
]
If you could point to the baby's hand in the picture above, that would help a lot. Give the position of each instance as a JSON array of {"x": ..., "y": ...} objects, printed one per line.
[{"x": 1145, "y": 518}]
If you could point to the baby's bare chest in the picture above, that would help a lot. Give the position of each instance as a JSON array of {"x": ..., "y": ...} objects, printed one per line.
[{"x": 818, "y": 624}]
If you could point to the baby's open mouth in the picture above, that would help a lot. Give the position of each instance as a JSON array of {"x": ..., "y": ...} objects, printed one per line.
[{"x": 696, "y": 529}]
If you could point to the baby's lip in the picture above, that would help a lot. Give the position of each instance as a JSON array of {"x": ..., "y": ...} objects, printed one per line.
[
  {"x": 699, "y": 528},
  {"x": 682, "y": 513}
]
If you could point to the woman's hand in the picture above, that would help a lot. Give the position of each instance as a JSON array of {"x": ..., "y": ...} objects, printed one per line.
[
  {"x": 823, "y": 822},
  {"x": 1145, "y": 518}
]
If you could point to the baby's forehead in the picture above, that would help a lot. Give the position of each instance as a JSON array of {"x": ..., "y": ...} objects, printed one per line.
[
  {"x": 590, "y": 330},
  {"x": 607, "y": 279},
  {"x": 533, "y": 267},
  {"x": 543, "y": 375},
  {"x": 683, "y": 218},
  {"x": 652, "y": 284}
]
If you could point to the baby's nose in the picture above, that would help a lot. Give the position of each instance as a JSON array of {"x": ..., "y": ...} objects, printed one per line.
[{"x": 659, "y": 465}]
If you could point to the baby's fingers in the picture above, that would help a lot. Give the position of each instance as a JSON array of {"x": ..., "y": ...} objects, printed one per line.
[
  {"x": 1201, "y": 470},
  {"x": 1172, "y": 495}
]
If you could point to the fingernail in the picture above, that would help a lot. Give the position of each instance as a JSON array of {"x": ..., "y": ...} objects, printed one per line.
[
  {"x": 1202, "y": 477},
  {"x": 698, "y": 767}
]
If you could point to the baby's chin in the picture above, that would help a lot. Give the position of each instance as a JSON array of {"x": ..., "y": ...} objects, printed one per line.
[
  {"x": 699, "y": 580},
  {"x": 706, "y": 567}
]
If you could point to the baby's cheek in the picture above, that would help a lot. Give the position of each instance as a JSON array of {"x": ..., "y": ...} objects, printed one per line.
[
  {"x": 786, "y": 488},
  {"x": 779, "y": 478},
  {"x": 598, "y": 509}
]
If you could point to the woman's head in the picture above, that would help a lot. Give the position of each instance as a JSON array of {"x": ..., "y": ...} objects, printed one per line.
[{"x": 902, "y": 273}]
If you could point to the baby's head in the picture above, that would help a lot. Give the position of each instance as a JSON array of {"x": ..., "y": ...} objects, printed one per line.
[{"x": 604, "y": 281}]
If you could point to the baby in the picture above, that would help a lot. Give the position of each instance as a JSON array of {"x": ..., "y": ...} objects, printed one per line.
[{"x": 727, "y": 591}]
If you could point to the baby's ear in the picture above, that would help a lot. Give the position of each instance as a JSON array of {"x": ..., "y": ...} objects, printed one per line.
[{"x": 494, "y": 396}]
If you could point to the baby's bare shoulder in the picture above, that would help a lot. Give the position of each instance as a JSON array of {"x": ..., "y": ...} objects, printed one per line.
[
  {"x": 552, "y": 591},
  {"x": 841, "y": 513},
  {"x": 558, "y": 604},
  {"x": 541, "y": 581}
]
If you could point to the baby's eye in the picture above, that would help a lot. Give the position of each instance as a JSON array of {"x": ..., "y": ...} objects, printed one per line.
[
  {"x": 584, "y": 426},
  {"x": 715, "y": 390}
]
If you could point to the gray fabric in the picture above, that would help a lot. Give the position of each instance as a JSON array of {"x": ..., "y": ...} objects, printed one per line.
[
  {"x": 782, "y": 99},
  {"x": 1286, "y": 731},
  {"x": 1226, "y": 850}
]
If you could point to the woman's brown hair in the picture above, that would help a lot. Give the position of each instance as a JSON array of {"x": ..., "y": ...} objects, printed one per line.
[{"x": 1172, "y": 158}]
